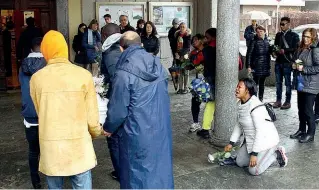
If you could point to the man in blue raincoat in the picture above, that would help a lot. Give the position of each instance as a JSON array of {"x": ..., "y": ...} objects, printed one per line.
[{"x": 139, "y": 111}]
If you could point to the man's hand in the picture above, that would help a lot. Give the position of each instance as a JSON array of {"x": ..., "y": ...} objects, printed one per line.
[
  {"x": 107, "y": 134},
  {"x": 249, "y": 70},
  {"x": 300, "y": 67},
  {"x": 282, "y": 51},
  {"x": 96, "y": 48},
  {"x": 228, "y": 148},
  {"x": 253, "y": 161},
  {"x": 79, "y": 52},
  {"x": 294, "y": 66}
]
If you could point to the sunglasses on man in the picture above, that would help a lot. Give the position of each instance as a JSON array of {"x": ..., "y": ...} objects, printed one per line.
[{"x": 283, "y": 24}]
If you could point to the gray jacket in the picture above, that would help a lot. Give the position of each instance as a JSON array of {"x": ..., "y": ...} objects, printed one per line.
[{"x": 310, "y": 73}]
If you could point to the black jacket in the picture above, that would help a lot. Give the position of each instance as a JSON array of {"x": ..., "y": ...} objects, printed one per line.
[
  {"x": 80, "y": 58},
  {"x": 292, "y": 39},
  {"x": 29, "y": 66},
  {"x": 310, "y": 73},
  {"x": 139, "y": 31},
  {"x": 128, "y": 27},
  {"x": 25, "y": 41},
  {"x": 171, "y": 38},
  {"x": 258, "y": 56},
  {"x": 209, "y": 54},
  {"x": 151, "y": 44},
  {"x": 108, "y": 65}
]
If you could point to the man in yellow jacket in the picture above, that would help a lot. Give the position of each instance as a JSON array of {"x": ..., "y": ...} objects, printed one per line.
[{"x": 65, "y": 100}]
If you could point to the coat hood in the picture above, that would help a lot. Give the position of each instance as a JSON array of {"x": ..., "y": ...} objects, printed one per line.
[
  {"x": 54, "y": 46},
  {"x": 137, "y": 61},
  {"x": 188, "y": 31},
  {"x": 114, "y": 38},
  {"x": 33, "y": 63}
]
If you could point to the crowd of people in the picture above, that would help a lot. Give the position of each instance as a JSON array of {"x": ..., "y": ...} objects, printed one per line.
[
  {"x": 60, "y": 108},
  {"x": 294, "y": 56}
]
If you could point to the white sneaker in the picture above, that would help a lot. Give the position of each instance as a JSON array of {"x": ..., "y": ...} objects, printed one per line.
[
  {"x": 194, "y": 127},
  {"x": 281, "y": 156}
]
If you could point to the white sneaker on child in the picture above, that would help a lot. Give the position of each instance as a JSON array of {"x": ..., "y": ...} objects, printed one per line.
[{"x": 194, "y": 127}]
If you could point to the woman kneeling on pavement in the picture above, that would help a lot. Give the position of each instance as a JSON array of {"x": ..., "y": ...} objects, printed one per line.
[
  {"x": 260, "y": 147},
  {"x": 308, "y": 84}
]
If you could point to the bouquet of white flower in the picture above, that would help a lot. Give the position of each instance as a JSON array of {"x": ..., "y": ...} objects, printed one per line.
[{"x": 102, "y": 101}]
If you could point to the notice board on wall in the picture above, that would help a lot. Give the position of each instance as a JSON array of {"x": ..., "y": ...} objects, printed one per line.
[
  {"x": 134, "y": 11},
  {"x": 163, "y": 13}
]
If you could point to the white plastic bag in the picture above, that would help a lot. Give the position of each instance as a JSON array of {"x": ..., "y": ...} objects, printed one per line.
[{"x": 102, "y": 105}]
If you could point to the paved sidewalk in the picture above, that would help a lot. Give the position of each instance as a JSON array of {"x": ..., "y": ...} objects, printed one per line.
[{"x": 191, "y": 169}]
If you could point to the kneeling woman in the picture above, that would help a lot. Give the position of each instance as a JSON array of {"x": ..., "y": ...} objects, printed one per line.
[{"x": 260, "y": 148}]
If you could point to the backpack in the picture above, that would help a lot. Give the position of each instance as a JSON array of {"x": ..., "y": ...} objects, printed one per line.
[{"x": 270, "y": 111}]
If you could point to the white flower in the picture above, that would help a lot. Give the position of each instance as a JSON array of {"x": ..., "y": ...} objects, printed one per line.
[
  {"x": 99, "y": 84},
  {"x": 227, "y": 155},
  {"x": 211, "y": 158},
  {"x": 298, "y": 61},
  {"x": 186, "y": 56}
]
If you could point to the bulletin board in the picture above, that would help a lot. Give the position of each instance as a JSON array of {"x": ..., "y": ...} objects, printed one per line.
[
  {"x": 163, "y": 13},
  {"x": 134, "y": 11}
]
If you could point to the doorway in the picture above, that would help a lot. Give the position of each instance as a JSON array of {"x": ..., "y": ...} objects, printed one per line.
[{"x": 13, "y": 16}]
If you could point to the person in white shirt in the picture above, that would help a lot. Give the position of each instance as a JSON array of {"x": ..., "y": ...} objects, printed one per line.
[{"x": 260, "y": 147}]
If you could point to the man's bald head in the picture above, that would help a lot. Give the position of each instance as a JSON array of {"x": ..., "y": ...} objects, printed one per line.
[
  {"x": 110, "y": 29},
  {"x": 130, "y": 38}
]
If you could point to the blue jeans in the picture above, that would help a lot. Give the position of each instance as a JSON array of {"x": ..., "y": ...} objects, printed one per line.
[
  {"x": 79, "y": 181},
  {"x": 283, "y": 71},
  {"x": 32, "y": 135},
  {"x": 113, "y": 145}
]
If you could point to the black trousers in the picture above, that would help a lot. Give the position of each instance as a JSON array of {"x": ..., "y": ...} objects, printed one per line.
[
  {"x": 113, "y": 145},
  {"x": 317, "y": 106},
  {"x": 195, "y": 107},
  {"x": 306, "y": 113},
  {"x": 32, "y": 135},
  {"x": 260, "y": 82}
]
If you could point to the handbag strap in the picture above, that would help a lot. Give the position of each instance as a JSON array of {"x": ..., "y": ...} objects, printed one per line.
[{"x": 284, "y": 40}]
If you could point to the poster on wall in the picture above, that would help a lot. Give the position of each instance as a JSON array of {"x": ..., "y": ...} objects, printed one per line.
[
  {"x": 27, "y": 14},
  {"x": 162, "y": 15},
  {"x": 134, "y": 11}
]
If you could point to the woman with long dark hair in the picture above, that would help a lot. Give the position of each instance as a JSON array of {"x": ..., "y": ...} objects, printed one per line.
[
  {"x": 260, "y": 148},
  {"x": 80, "y": 57},
  {"x": 140, "y": 26},
  {"x": 308, "y": 84},
  {"x": 149, "y": 40}
]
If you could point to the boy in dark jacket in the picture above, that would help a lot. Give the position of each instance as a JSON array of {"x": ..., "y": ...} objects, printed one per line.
[
  {"x": 111, "y": 53},
  {"x": 30, "y": 65}
]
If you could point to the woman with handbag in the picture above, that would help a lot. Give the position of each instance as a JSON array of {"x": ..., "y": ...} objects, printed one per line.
[
  {"x": 260, "y": 148},
  {"x": 308, "y": 84},
  {"x": 80, "y": 57}
]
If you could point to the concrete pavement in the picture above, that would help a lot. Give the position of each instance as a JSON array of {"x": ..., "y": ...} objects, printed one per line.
[{"x": 191, "y": 169}]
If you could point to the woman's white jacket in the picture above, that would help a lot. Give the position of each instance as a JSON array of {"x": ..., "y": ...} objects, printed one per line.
[{"x": 259, "y": 133}]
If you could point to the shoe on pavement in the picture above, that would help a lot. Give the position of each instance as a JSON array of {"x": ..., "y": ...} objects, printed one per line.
[
  {"x": 285, "y": 106},
  {"x": 297, "y": 135},
  {"x": 281, "y": 156},
  {"x": 203, "y": 133},
  {"x": 306, "y": 139},
  {"x": 114, "y": 175},
  {"x": 277, "y": 104},
  {"x": 194, "y": 127}
]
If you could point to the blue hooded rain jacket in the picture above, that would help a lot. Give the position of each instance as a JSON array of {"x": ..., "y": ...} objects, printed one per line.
[{"x": 139, "y": 111}]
